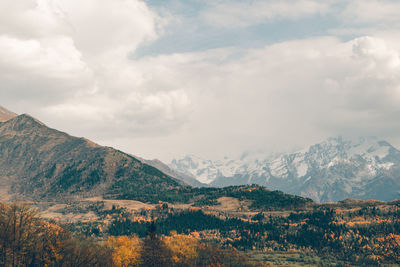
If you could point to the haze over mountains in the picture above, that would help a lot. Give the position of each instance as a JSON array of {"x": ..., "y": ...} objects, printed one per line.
[
  {"x": 41, "y": 164},
  {"x": 333, "y": 170},
  {"x": 38, "y": 163}
]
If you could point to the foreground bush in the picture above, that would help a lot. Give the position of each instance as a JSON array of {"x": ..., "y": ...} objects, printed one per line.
[{"x": 26, "y": 240}]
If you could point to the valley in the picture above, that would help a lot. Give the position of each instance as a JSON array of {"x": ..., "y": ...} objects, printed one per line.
[{"x": 350, "y": 233}]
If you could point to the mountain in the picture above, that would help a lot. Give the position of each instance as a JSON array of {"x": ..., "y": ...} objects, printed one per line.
[
  {"x": 40, "y": 163},
  {"x": 336, "y": 169},
  {"x": 184, "y": 178},
  {"x": 5, "y": 114}
]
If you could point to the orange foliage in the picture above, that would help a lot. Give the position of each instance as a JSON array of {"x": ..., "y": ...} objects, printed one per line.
[
  {"x": 184, "y": 248},
  {"x": 126, "y": 250}
]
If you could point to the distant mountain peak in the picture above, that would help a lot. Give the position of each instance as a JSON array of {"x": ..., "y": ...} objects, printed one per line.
[
  {"x": 22, "y": 123},
  {"x": 28, "y": 118},
  {"x": 334, "y": 169},
  {"x": 6, "y": 115}
]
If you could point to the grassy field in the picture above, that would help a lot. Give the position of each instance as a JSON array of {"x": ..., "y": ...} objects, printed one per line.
[{"x": 292, "y": 259}]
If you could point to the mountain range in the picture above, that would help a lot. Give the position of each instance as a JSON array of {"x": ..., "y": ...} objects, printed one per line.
[
  {"x": 333, "y": 170},
  {"x": 41, "y": 164}
]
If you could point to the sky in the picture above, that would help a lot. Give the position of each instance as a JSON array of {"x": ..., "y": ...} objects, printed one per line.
[{"x": 213, "y": 78}]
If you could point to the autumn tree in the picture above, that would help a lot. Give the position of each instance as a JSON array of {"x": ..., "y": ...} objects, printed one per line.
[
  {"x": 126, "y": 250},
  {"x": 18, "y": 235},
  {"x": 154, "y": 251},
  {"x": 26, "y": 240},
  {"x": 184, "y": 248}
]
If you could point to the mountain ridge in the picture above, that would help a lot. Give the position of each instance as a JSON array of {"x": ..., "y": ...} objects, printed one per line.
[
  {"x": 38, "y": 162},
  {"x": 332, "y": 170}
]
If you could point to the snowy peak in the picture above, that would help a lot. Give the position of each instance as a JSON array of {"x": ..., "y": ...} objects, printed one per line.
[
  {"x": 332, "y": 170},
  {"x": 341, "y": 148},
  {"x": 205, "y": 170},
  {"x": 338, "y": 151}
]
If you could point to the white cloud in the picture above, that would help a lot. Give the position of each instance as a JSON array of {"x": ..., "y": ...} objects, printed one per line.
[
  {"x": 68, "y": 59},
  {"x": 378, "y": 12},
  {"x": 66, "y": 62},
  {"x": 246, "y": 13},
  {"x": 367, "y": 17},
  {"x": 41, "y": 70},
  {"x": 284, "y": 95},
  {"x": 108, "y": 26},
  {"x": 104, "y": 117},
  {"x": 53, "y": 57},
  {"x": 30, "y": 19}
]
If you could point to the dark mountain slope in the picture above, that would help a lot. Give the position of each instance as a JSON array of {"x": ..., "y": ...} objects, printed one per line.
[{"x": 44, "y": 163}]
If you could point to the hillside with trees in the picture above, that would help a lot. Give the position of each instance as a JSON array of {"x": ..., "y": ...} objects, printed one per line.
[{"x": 39, "y": 163}]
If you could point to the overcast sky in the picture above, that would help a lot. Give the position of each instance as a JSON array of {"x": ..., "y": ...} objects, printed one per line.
[{"x": 165, "y": 78}]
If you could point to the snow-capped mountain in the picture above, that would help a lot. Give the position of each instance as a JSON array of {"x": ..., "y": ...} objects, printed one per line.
[{"x": 333, "y": 170}]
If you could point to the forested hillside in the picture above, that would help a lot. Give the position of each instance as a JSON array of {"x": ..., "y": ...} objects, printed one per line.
[{"x": 43, "y": 163}]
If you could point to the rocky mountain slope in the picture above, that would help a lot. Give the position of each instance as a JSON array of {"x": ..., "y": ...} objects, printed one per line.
[
  {"x": 333, "y": 170},
  {"x": 37, "y": 163}
]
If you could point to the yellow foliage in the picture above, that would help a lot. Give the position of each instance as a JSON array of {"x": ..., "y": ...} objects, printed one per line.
[
  {"x": 126, "y": 250},
  {"x": 183, "y": 247}
]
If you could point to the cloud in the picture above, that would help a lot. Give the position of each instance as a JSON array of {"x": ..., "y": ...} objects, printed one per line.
[
  {"x": 379, "y": 13},
  {"x": 68, "y": 63},
  {"x": 283, "y": 95},
  {"x": 41, "y": 70},
  {"x": 246, "y": 13},
  {"x": 29, "y": 19},
  {"x": 101, "y": 27},
  {"x": 367, "y": 17},
  {"x": 132, "y": 115},
  {"x": 67, "y": 60}
]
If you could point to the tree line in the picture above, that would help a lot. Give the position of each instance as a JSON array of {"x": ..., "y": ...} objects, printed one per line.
[{"x": 27, "y": 240}]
